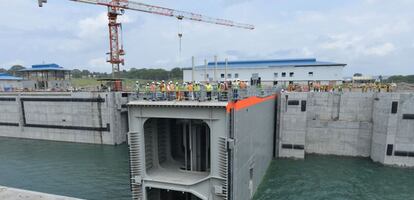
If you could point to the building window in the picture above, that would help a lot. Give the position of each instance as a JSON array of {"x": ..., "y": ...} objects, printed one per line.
[
  {"x": 222, "y": 75},
  {"x": 310, "y": 73},
  {"x": 236, "y": 75},
  {"x": 276, "y": 75},
  {"x": 291, "y": 74},
  {"x": 228, "y": 75},
  {"x": 283, "y": 74},
  {"x": 208, "y": 75}
]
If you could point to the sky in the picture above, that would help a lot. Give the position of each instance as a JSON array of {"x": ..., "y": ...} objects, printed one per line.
[{"x": 374, "y": 37}]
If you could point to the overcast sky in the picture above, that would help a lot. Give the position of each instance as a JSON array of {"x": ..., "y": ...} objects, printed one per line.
[{"x": 371, "y": 36}]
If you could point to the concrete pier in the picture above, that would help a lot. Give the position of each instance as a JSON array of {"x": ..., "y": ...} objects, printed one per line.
[
  {"x": 7, "y": 193},
  {"x": 375, "y": 125},
  {"x": 82, "y": 117}
]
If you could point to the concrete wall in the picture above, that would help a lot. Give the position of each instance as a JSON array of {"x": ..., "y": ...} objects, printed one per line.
[
  {"x": 292, "y": 127},
  {"x": 348, "y": 124},
  {"x": 71, "y": 117},
  {"x": 19, "y": 194},
  {"x": 254, "y": 129},
  {"x": 6, "y": 84},
  {"x": 393, "y": 135}
]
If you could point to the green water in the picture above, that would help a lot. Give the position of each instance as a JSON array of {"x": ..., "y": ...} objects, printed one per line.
[
  {"x": 101, "y": 172},
  {"x": 77, "y": 170},
  {"x": 335, "y": 178}
]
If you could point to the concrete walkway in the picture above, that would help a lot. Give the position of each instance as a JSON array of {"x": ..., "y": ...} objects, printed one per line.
[{"x": 7, "y": 193}]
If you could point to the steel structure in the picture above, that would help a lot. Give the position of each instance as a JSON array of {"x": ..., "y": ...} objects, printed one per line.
[{"x": 117, "y": 8}]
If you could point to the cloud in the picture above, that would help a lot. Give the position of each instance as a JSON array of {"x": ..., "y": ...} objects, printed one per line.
[
  {"x": 380, "y": 50},
  {"x": 98, "y": 65},
  {"x": 8, "y": 64},
  {"x": 372, "y": 36}
]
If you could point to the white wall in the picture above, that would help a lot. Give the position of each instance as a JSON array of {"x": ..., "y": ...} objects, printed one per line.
[
  {"x": 268, "y": 74},
  {"x": 10, "y": 83}
]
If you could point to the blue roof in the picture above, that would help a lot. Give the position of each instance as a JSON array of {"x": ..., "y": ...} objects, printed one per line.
[
  {"x": 8, "y": 77},
  {"x": 45, "y": 67},
  {"x": 307, "y": 62}
]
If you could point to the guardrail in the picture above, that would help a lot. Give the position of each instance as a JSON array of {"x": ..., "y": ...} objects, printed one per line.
[{"x": 203, "y": 95}]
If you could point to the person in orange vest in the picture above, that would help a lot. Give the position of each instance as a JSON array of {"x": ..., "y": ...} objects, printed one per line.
[
  {"x": 153, "y": 90},
  {"x": 190, "y": 89},
  {"x": 172, "y": 90},
  {"x": 163, "y": 89},
  {"x": 178, "y": 91}
]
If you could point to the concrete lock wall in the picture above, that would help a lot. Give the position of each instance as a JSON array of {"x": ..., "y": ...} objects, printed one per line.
[
  {"x": 393, "y": 135},
  {"x": 72, "y": 117},
  {"x": 349, "y": 124}
]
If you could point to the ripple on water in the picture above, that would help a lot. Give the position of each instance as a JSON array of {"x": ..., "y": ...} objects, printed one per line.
[
  {"x": 335, "y": 178},
  {"x": 78, "y": 170}
]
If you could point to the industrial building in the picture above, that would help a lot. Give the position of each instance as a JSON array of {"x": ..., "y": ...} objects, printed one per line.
[
  {"x": 9, "y": 83},
  {"x": 45, "y": 77},
  {"x": 210, "y": 154},
  {"x": 276, "y": 72}
]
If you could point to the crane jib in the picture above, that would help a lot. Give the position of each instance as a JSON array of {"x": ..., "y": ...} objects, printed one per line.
[{"x": 116, "y": 8}]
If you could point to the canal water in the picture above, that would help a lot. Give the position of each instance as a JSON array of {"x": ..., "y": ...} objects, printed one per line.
[
  {"x": 335, "y": 178},
  {"x": 76, "y": 170},
  {"x": 102, "y": 172}
]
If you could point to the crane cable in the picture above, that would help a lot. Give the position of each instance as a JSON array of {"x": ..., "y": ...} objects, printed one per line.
[{"x": 180, "y": 36}]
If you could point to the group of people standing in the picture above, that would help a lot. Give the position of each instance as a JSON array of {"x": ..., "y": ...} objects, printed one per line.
[{"x": 189, "y": 90}]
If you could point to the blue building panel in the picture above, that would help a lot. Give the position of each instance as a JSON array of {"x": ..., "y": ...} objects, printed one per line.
[
  {"x": 45, "y": 67},
  {"x": 8, "y": 77}
]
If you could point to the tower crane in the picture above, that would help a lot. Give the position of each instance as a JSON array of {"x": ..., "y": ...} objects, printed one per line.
[{"x": 117, "y": 8}]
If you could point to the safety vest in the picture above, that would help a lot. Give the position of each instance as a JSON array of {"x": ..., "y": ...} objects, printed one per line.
[
  {"x": 209, "y": 88},
  {"x": 162, "y": 87},
  {"x": 197, "y": 88},
  {"x": 190, "y": 88},
  {"x": 153, "y": 88}
]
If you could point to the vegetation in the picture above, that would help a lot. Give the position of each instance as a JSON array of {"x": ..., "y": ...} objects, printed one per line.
[
  {"x": 399, "y": 79},
  {"x": 133, "y": 73},
  {"x": 14, "y": 70},
  {"x": 92, "y": 83}
]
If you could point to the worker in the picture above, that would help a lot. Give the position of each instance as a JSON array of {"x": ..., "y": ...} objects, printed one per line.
[
  {"x": 178, "y": 91},
  {"x": 197, "y": 89},
  {"x": 153, "y": 89},
  {"x": 172, "y": 90},
  {"x": 190, "y": 89},
  {"x": 163, "y": 89},
  {"x": 137, "y": 88},
  {"x": 185, "y": 90},
  {"x": 235, "y": 87},
  {"x": 209, "y": 89},
  {"x": 147, "y": 91}
]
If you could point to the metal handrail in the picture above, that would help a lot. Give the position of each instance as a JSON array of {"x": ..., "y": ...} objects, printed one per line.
[{"x": 203, "y": 95}]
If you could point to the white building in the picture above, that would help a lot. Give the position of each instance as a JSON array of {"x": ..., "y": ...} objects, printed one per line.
[
  {"x": 9, "y": 83},
  {"x": 300, "y": 71}
]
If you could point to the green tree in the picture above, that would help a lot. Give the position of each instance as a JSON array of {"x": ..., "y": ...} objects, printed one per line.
[{"x": 15, "y": 70}]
